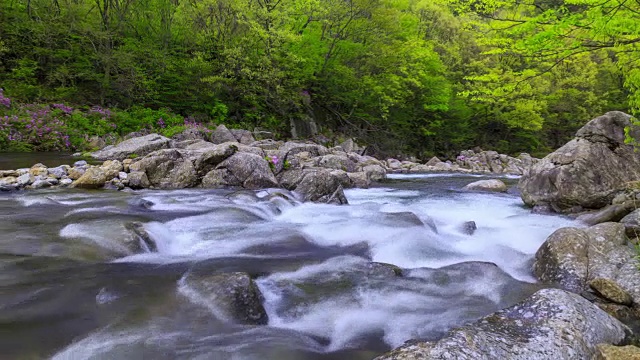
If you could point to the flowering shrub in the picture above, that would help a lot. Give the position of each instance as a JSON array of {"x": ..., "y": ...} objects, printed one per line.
[
  {"x": 274, "y": 160},
  {"x": 59, "y": 127},
  {"x": 4, "y": 101}
]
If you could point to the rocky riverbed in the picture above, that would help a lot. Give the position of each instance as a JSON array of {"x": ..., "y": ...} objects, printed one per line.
[{"x": 224, "y": 246}]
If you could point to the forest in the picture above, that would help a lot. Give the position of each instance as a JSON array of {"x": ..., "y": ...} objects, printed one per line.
[{"x": 418, "y": 77}]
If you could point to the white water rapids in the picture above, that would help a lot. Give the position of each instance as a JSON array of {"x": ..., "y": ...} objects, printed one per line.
[{"x": 314, "y": 265}]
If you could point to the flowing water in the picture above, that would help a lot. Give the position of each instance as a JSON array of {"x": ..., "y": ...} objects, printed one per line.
[{"x": 77, "y": 283}]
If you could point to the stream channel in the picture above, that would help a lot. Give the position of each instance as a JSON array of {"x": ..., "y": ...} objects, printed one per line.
[{"x": 72, "y": 285}]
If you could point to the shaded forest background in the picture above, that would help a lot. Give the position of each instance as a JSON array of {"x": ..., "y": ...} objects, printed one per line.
[{"x": 422, "y": 77}]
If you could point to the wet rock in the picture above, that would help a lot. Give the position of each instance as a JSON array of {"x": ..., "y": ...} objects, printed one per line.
[
  {"x": 468, "y": 227},
  {"x": 610, "y": 352},
  {"x": 167, "y": 169},
  {"x": 137, "y": 146},
  {"x": 551, "y": 324},
  {"x": 222, "y": 135},
  {"x": 141, "y": 241},
  {"x": 66, "y": 182},
  {"x": 138, "y": 180},
  {"x": 492, "y": 185},
  {"x": 234, "y": 297},
  {"x": 93, "y": 178},
  {"x": 589, "y": 170},
  {"x": 611, "y": 291},
  {"x": 315, "y": 184}
]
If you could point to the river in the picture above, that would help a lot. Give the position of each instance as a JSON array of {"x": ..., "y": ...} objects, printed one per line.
[{"x": 73, "y": 288}]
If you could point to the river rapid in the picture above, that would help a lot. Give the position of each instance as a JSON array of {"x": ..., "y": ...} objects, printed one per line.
[{"x": 74, "y": 287}]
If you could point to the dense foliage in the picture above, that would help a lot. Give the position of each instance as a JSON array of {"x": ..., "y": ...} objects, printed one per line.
[{"x": 414, "y": 76}]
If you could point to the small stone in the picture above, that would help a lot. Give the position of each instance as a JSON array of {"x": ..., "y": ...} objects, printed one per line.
[
  {"x": 122, "y": 175},
  {"x": 76, "y": 172},
  {"x": 66, "y": 182},
  {"x": 9, "y": 180},
  {"x": 611, "y": 291},
  {"x": 25, "y": 179},
  {"x": 493, "y": 185},
  {"x": 58, "y": 172},
  {"x": 126, "y": 163},
  {"x": 40, "y": 184},
  {"x": 38, "y": 169},
  {"x": 80, "y": 163},
  {"x": 138, "y": 180},
  {"x": 469, "y": 227}
]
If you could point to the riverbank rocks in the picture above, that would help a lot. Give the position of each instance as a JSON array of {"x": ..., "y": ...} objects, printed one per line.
[
  {"x": 551, "y": 324},
  {"x": 588, "y": 171},
  {"x": 232, "y": 297},
  {"x": 598, "y": 257},
  {"x": 492, "y": 185},
  {"x": 134, "y": 147}
]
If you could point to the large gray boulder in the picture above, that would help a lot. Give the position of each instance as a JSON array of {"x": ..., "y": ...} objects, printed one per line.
[
  {"x": 314, "y": 184},
  {"x": 586, "y": 172},
  {"x": 138, "y": 146},
  {"x": 167, "y": 169},
  {"x": 573, "y": 258},
  {"x": 551, "y": 324},
  {"x": 233, "y": 297},
  {"x": 248, "y": 170}
]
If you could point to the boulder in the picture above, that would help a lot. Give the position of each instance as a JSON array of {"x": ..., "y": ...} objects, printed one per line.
[
  {"x": 588, "y": 171},
  {"x": 93, "y": 178},
  {"x": 233, "y": 297},
  {"x": 138, "y": 180},
  {"x": 111, "y": 168},
  {"x": 241, "y": 169},
  {"x": 167, "y": 169},
  {"x": 314, "y": 184},
  {"x": 433, "y": 161},
  {"x": 337, "y": 162},
  {"x": 137, "y": 146},
  {"x": 222, "y": 135},
  {"x": 572, "y": 258},
  {"x": 25, "y": 179},
  {"x": 492, "y": 185},
  {"x": 244, "y": 137},
  {"x": 550, "y": 324}
]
